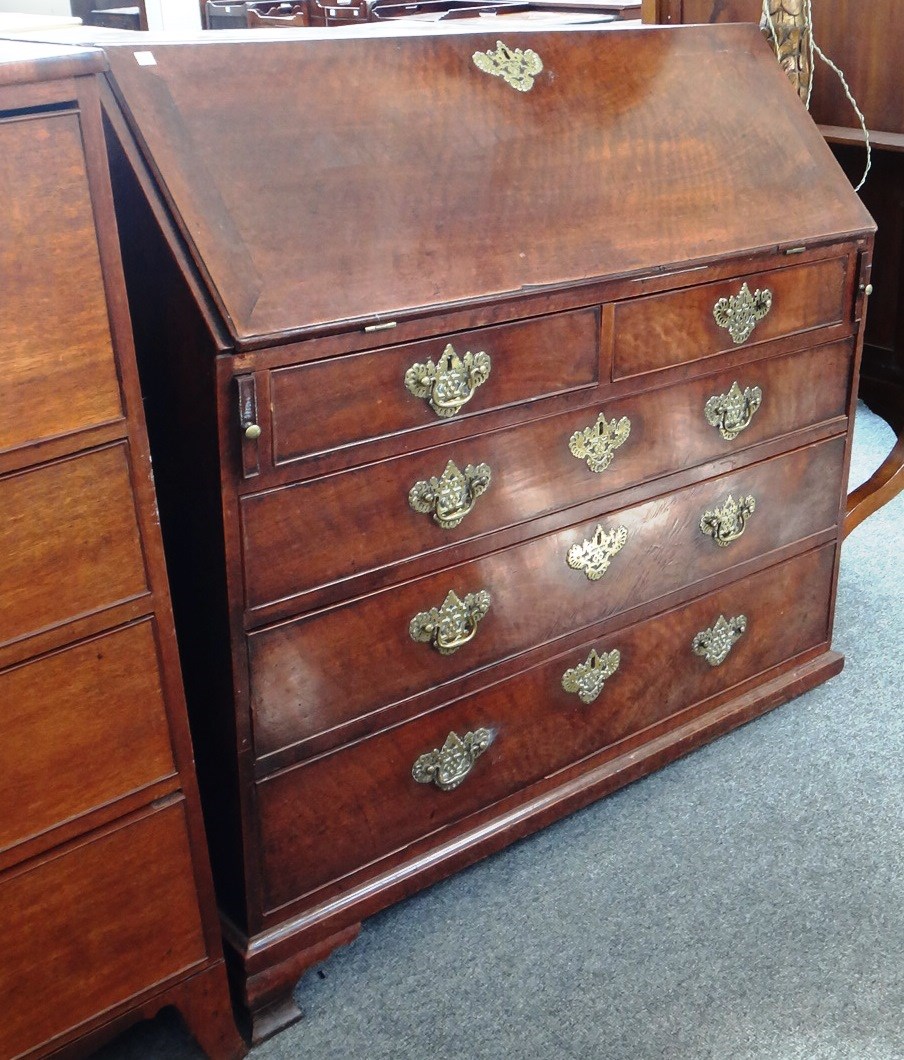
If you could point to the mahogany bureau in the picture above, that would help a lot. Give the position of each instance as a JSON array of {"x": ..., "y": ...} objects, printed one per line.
[
  {"x": 107, "y": 910},
  {"x": 501, "y": 411}
]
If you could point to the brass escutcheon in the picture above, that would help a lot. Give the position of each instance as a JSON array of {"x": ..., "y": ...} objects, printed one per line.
[
  {"x": 715, "y": 643},
  {"x": 449, "y": 627},
  {"x": 726, "y": 524},
  {"x": 594, "y": 556},
  {"x": 517, "y": 67},
  {"x": 447, "y": 766},
  {"x": 449, "y": 384},
  {"x": 732, "y": 412},
  {"x": 740, "y": 313},
  {"x": 597, "y": 443},
  {"x": 588, "y": 678},
  {"x": 451, "y": 496}
]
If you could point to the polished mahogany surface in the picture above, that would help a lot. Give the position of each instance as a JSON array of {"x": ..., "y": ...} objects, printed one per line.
[
  {"x": 106, "y": 903},
  {"x": 543, "y": 185},
  {"x": 612, "y": 250}
]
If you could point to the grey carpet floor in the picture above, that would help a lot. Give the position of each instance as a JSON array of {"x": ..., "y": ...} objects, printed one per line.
[{"x": 745, "y": 903}]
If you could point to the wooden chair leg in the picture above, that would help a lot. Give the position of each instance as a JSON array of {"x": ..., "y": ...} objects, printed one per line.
[{"x": 886, "y": 482}]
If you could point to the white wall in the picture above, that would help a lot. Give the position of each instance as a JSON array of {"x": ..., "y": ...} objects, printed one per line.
[
  {"x": 173, "y": 16},
  {"x": 38, "y": 7}
]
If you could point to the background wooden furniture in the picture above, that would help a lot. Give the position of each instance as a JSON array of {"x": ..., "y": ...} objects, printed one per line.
[
  {"x": 106, "y": 903},
  {"x": 447, "y": 413},
  {"x": 867, "y": 42}
]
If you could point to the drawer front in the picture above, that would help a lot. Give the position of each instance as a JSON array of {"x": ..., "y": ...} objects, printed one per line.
[
  {"x": 58, "y": 370},
  {"x": 330, "y": 529},
  {"x": 312, "y": 675},
  {"x": 69, "y": 542},
  {"x": 318, "y": 821},
  {"x": 105, "y": 921},
  {"x": 667, "y": 329},
  {"x": 81, "y": 728},
  {"x": 329, "y": 404}
]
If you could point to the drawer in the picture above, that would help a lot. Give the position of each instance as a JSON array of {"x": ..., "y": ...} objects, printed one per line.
[
  {"x": 59, "y": 375},
  {"x": 69, "y": 543},
  {"x": 323, "y": 819},
  {"x": 328, "y": 404},
  {"x": 661, "y": 330},
  {"x": 81, "y": 728},
  {"x": 315, "y": 674},
  {"x": 105, "y": 921},
  {"x": 338, "y": 527}
]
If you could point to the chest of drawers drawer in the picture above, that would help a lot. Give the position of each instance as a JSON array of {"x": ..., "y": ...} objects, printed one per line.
[
  {"x": 421, "y": 385},
  {"x": 92, "y": 717},
  {"x": 78, "y": 516},
  {"x": 133, "y": 870},
  {"x": 657, "y": 331},
  {"x": 527, "y": 595},
  {"x": 330, "y": 532},
  {"x": 323, "y": 819}
]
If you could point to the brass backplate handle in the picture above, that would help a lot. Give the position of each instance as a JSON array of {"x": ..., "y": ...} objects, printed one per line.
[
  {"x": 451, "y": 626},
  {"x": 726, "y": 524},
  {"x": 731, "y": 413},
  {"x": 450, "y": 496},
  {"x": 449, "y": 385},
  {"x": 740, "y": 313},
  {"x": 516, "y": 66},
  {"x": 597, "y": 443},
  {"x": 593, "y": 556},
  {"x": 447, "y": 766},
  {"x": 588, "y": 678},
  {"x": 715, "y": 643}
]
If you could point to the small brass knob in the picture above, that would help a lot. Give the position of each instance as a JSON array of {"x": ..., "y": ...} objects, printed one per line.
[
  {"x": 867, "y": 290},
  {"x": 252, "y": 431}
]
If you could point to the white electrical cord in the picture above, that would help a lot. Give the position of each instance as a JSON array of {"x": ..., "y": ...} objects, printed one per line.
[{"x": 816, "y": 50}]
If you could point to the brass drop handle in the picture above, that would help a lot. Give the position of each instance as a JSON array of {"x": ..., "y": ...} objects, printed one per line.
[
  {"x": 447, "y": 766},
  {"x": 593, "y": 556},
  {"x": 715, "y": 643},
  {"x": 587, "y": 679},
  {"x": 740, "y": 313},
  {"x": 448, "y": 385},
  {"x": 727, "y": 523},
  {"x": 451, "y": 626},
  {"x": 597, "y": 443},
  {"x": 451, "y": 496},
  {"x": 731, "y": 413}
]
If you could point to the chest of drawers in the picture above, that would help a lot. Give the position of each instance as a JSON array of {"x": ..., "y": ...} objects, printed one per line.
[
  {"x": 501, "y": 415},
  {"x": 107, "y": 911}
]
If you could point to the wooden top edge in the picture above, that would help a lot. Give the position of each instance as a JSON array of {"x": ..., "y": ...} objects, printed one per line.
[{"x": 24, "y": 61}]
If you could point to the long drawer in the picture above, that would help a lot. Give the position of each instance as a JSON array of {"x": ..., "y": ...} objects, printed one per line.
[
  {"x": 315, "y": 674},
  {"x": 327, "y": 817},
  {"x": 79, "y": 918},
  {"x": 336, "y": 528}
]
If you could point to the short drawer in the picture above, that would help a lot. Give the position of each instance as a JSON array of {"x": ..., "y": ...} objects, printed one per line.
[
  {"x": 321, "y": 820},
  {"x": 335, "y": 528},
  {"x": 69, "y": 541},
  {"x": 315, "y": 674},
  {"x": 328, "y": 404},
  {"x": 81, "y": 728},
  {"x": 109, "y": 919},
  {"x": 658, "y": 331}
]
